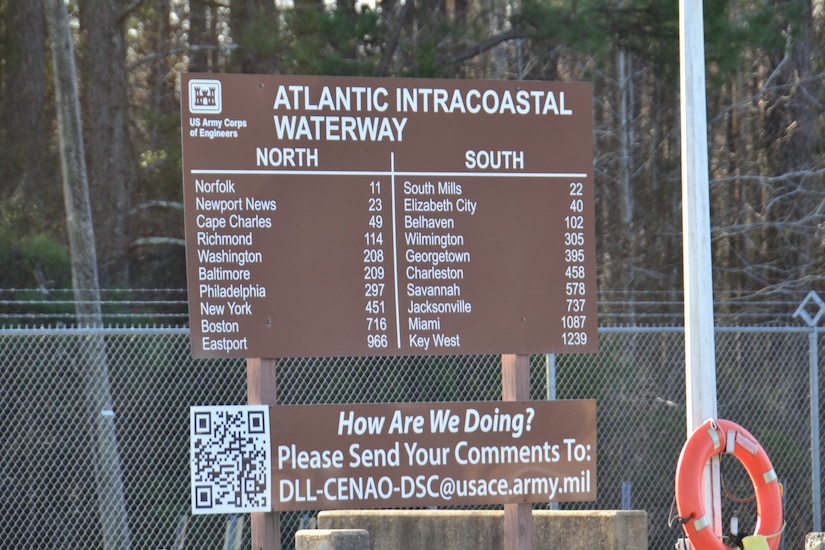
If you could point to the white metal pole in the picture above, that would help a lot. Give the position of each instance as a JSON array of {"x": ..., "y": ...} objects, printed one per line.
[{"x": 700, "y": 351}]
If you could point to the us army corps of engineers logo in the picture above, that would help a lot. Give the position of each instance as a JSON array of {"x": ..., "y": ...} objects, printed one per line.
[{"x": 205, "y": 96}]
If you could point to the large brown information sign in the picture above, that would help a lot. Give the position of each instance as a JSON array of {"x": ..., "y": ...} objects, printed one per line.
[
  {"x": 328, "y": 457},
  {"x": 361, "y": 217}
]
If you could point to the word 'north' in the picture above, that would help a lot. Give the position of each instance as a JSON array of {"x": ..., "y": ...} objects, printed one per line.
[{"x": 287, "y": 157}]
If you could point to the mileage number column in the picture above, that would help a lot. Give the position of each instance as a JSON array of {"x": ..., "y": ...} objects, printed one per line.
[
  {"x": 574, "y": 320},
  {"x": 377, "y": 250}
]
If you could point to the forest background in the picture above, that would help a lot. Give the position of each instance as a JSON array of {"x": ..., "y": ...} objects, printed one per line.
[{"x": 765, "y": 96}]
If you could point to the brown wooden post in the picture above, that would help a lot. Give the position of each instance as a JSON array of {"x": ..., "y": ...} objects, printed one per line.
[
  {"x": 262, "y": 390},
  {"x": 515, "y": 386}
]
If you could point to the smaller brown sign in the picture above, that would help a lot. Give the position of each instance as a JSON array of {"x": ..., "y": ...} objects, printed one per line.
[{"x": 327, "y": 457}]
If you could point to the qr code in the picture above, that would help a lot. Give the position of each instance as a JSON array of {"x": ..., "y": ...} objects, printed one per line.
[{"x": 230, "y": 459}]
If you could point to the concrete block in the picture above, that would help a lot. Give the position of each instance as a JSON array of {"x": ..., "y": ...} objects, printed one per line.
[
  {"x": 332, "y": 539},
  {"x": 815, "y": 541},
  {"x": 477, "y": 530}
]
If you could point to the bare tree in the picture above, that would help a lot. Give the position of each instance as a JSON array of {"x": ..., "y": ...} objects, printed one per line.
[
  {"x": 111, "y": 502},
  {"x": 768, "y": 194}
]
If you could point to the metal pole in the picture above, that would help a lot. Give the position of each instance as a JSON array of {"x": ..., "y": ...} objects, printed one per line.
[
  {"x": 550, "y": 375},
  {"x": 550, "y": 380},
  {"x": 815, "y": 481},
  {"x": 813, "y": 301},
  {"x": 700, "y": 360}
]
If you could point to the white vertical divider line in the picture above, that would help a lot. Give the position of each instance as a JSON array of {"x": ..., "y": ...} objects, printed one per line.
[{"x": 395, "y": 253}]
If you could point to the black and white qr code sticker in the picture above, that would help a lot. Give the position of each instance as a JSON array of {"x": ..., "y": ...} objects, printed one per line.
[{"x": 230, "y": 459}]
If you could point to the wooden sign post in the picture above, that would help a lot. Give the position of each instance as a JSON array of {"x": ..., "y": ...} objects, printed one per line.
[
  {"x": 262, "y": 390},
  {"x": 515, "y": 386}
]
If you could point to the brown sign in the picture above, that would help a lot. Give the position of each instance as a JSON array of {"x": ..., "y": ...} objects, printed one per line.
[
  {"x": 355, "y": 216},
  {"x": 327, "y": 457}
]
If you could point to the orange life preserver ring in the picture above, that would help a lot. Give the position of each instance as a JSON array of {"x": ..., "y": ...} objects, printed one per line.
[{"x": 713, "y": 437}]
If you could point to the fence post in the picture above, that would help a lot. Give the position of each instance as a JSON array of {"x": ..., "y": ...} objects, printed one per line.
[
  {"x": 550, "y": 379},
  {"x": 813, "y": 356},
  {"x": 627, "y": 495},
  {"x": 815, "y": 482}
]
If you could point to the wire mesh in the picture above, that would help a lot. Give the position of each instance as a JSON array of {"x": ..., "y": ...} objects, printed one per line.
[{"x": 49, "y": 436}]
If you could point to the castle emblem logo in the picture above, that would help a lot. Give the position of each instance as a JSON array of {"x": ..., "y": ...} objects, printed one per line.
[{"x": 205, "y": 96}]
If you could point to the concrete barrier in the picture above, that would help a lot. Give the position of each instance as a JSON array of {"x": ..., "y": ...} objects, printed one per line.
[
  {"x": 815, "y": 541},
  {"x": 332, "y": 539},
  {"x": 480, "y": 530}
]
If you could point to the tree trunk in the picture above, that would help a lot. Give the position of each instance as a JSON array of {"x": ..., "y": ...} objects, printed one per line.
[
  {"x": 244, "y": 14},
  {"x": 107, "y": 113},
  {"x": 24, "y": 116},
  {"x": 111, "y": 503},
  {"x": 201, "y": 21},
  {"x": 25, "y": 79}
]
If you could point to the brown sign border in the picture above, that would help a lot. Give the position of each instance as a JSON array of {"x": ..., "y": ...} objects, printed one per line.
[{"x": 307, "y": 313}]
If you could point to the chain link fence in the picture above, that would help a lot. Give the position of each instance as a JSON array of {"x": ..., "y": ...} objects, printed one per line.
[{"x": 49, "y": 427}]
